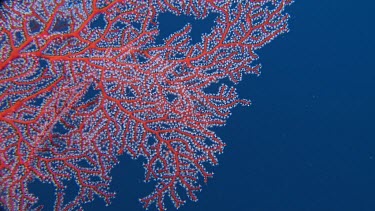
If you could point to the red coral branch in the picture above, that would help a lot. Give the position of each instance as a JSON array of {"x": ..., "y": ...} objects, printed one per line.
[{"x": 83, "y": 81}]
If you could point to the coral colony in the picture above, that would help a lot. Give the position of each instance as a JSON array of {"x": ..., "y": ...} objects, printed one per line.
[{"x": 84, "y": 81}]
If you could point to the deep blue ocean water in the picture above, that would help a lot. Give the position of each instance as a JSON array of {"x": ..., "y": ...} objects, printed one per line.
[{"x": 307, "y": 143}]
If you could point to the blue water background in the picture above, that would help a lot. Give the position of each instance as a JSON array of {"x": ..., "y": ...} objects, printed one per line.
[{"x": 307, "y": 142}]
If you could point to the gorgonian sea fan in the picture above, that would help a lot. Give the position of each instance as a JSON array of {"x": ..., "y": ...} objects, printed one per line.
[{"x": 83, "y": 81}]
